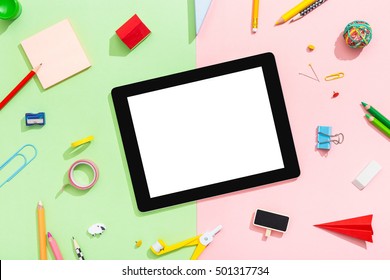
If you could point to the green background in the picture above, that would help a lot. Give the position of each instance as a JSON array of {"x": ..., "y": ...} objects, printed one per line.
[{"x": 82, "y": 106}]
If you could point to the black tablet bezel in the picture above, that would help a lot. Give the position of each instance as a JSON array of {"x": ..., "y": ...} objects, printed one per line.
[{"x": 133, "y": 156}]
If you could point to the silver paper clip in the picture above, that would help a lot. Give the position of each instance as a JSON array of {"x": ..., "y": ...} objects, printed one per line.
[{"x": 26, "y": 162}]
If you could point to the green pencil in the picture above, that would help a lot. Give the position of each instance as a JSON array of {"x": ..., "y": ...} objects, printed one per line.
[
  {"x": 376, "y": 114},
  {"x": 378, "y": 125}
]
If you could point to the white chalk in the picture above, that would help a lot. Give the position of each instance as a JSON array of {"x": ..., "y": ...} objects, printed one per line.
[{"x": 366, "y": 175}]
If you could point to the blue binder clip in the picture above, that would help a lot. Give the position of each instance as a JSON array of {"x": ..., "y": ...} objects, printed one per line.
[
  {"x": 324, "y": 137},
  {"x": 26, "y": 162}
]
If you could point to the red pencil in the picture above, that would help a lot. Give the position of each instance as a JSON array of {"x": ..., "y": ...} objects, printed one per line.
[{"x": 19, "y": 86}]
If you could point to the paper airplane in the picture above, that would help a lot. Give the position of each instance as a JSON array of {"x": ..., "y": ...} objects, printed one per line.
[
  {"x": 359, "y": 227},
  {"x": 201, "y": 8}
]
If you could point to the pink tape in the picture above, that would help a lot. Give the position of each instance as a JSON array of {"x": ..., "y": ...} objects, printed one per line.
[{"x": 94, "y": 168}]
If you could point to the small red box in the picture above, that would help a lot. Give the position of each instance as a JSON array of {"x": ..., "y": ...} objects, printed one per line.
[{"x": 133, "y": 32}]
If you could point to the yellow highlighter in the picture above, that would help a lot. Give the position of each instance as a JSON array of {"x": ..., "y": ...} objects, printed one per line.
[
  {"x": 201, "y": 241},
  {"x": 294, "y": 11}
]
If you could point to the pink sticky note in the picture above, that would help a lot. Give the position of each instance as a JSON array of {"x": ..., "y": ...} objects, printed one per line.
[{"x": 59, "y": 51}]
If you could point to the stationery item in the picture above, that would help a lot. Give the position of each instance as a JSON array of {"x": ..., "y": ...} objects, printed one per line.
[
  {"x": 211, "y": 153},
  {"x": 201, "y": 8},
  {"x": 359, "y": 227},
  {"x": 26, "y": 161},
  {"x": 270, "y": 221},
  {"x": 335, "y": 94},
  {"x": 59, "y": 51},
  {"x": 72, "y": 179},
  {"x": 33, "y": 119},
  {"x": 357, "y": 34},
  {"x": 10, "y": 9},
  {"x": 335, "y": 76},
  {"x": 294, "y": 11},
  {"x": 384, "y": 129},
  {"x": 311, "y": 47},
  {"x": 138, "y": 243},
  {"x": 54, "y": 247},
  {"x": 96, "y": 229},
  {"x": 316, "y": 78},
  {"x": 324, "y": 137},
  {"x": 77, "y": 249},
  {"x": 366, "y": 175},
  {"x": 313, "y": 6},
  {"x": 82, "y": 141},
  {"x": 255, "y": 15},
  {"x": 201, "y": 241},
  {"x": 376, "y": 114},
  {"x": 41, "y": 231},
  {"x": 19, "y": 86},
  {"x": 133, "y": 32}
]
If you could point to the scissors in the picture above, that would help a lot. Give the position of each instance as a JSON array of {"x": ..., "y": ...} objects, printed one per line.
[{"x": 201, "y": 242}]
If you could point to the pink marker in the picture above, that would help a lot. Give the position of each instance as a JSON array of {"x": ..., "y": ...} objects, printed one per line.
[{"x": 54, "y": 247}]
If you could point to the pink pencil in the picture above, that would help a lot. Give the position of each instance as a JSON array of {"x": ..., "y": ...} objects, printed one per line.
[{"x": 54, "y": 247}]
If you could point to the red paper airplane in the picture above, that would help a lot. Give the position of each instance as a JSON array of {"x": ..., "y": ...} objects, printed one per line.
[{"x": 359, "y": 227}]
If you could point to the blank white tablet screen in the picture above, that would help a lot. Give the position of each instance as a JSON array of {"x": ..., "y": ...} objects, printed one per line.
[{"x": 205, "y": 132}]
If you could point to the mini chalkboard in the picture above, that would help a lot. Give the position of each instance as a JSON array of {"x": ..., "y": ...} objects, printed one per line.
[{"x": 270, "y": 221}]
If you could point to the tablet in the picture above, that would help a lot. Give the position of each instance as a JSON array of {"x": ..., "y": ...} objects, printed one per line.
[{"x": 205, "y": 132}]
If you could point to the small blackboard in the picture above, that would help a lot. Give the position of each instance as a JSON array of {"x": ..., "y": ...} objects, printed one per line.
[{"x": 270, "y": 220}]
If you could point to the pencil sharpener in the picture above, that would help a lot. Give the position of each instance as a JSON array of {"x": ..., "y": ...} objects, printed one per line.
[{"x": 35, "y": 119}]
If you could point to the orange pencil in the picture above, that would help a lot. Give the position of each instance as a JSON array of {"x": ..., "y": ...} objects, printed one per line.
[{"x": 42, "y": 231}]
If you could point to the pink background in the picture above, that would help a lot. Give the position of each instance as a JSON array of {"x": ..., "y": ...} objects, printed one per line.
[{"x": 323, "y": 192}]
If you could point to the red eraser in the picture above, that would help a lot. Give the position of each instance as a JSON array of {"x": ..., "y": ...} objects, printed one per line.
[{"x": 133, "y": 32}]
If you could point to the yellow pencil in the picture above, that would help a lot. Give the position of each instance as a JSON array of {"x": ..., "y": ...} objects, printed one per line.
[
  {"x": 294, "y": 11},
  {"x": 42, "y": 231},
  {"x": 255, "y": 15}
]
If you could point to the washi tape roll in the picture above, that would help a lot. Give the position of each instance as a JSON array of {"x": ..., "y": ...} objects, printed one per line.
[{"x": 77, "y": 185}]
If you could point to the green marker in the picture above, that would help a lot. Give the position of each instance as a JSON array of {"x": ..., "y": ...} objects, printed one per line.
[
  {"x": 378, "y": 125},
  {"x": 377, "y": 115}
]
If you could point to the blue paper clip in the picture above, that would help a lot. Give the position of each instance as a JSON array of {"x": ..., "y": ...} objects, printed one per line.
[
  {"x": 324, "y": 137},
  {"x": 26, "y": 162}
]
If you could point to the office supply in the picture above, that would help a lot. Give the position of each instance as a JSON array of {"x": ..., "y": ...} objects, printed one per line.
[
  {"x": 82, "y": 141},
  {"x": 311, "y": 47},
  {"x": 270, "y": 221},
  {"x": 77, "y": 249},
  {"x": 294, "y": 11},
  {"x": 72, "y": 179},
  {"x": 54, "y": 247},
  {"x": 201, "y": 241},
  {"x": 359, "y": 227},
  {"x": 335, "y": 94},
  {"x": 384, "y": 129},
  {"x": 366, "y": 175},
  {"x": 201, "y": 8},
  {"x": 324, "y": 137},
  {"x": 138, "y": 243},
  {"x": 96, "y": 229},
  {"x": 10, "y": 9},
  {"x": 309, "y": 9},
  {"x": 334, "y": 76},
  {"x": 376, "y": 114},
  {"x": 133, "y": 32},
  {"x": 316, "y": 78},
  {"x": 19, "y": 86},
  {"x": 255, "y": 15},
  {"x": 33, "y": 119},
  {"x": 41, "y": 231},
  {"x": 26, "y": 161},
  {"x": 59, "y": 51},
  {"x": 357, "y": 34},
  {"x": 187, "y": 155}
]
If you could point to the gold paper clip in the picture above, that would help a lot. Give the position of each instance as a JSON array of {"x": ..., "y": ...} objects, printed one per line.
[
  {"x": 26, "y": 162},
  {"x": 335, "y": 76}
]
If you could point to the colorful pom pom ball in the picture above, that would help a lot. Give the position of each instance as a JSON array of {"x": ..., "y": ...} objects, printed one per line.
[{"x": 357, "y": 34}]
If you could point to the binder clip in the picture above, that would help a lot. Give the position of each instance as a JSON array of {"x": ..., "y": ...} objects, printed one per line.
[
  {"x": 324, "y": 137},
  {"x": 26, "y": 162},
  {"x": 201, "y": 242}
]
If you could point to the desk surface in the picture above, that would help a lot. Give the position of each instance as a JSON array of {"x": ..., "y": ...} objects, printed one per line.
[{"x": 82, "y": 106}]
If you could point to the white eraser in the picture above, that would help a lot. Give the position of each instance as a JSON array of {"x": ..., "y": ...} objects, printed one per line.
[{"x": 366, "y": 175}]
